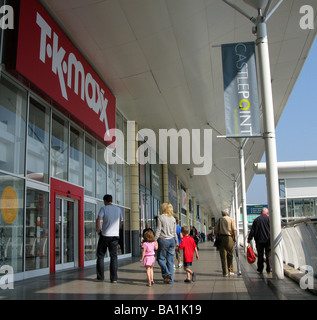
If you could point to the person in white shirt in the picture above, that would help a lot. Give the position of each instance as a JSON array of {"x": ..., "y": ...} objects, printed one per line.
[{"x": 111, "y": 217}]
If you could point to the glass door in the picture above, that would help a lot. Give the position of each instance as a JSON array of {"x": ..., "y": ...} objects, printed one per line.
[{"x": 65, "y": 237}]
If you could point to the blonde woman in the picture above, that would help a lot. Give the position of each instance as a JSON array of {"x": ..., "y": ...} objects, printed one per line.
[{"x": 167, "y": 240}]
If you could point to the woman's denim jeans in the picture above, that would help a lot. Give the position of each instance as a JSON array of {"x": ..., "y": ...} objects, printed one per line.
[{"x": 165, "y": 257}]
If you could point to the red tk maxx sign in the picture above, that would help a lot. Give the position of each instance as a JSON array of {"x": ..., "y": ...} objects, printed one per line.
[{"x": 47, "y": 58}]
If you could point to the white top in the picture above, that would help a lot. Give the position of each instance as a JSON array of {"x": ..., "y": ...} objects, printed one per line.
[{"x": 111, "y": 217}]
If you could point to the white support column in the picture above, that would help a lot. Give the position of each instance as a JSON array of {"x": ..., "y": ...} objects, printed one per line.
[
  {"x": 243, "y": 198},
  {"x": 260, "y": 30},
  {"x": 236, "y": 209},
  {"x": 270, "y": 150}
]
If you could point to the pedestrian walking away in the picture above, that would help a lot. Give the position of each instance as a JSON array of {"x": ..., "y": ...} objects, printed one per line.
[
  {"x": 189, "y": 246},
  {"x": 148, "y": 255},
  {"x": 167, "y": 240},
  {"x": 260, "y": 231},
  {"x": 226, "y": 232},
  {"x": 111, "y": 217},
  {"x": 194, "y": 233}
]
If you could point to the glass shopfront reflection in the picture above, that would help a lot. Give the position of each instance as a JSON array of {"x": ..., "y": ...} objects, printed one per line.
[
  {"x": 11, "y": 222},
  {"x": 12, "y": 128},
  {"x": 90, "y": 231},
  {"x": 66, "y": 213},
  {"x": 59, "y": 148},
  {"x": 38, "y": 142},
  {"x": 76, "y": 156},
  {"x": 36, "y": 246},
  {"x": 37, "y": 145}
]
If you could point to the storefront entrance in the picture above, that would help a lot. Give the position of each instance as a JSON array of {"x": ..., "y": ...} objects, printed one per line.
[
  {"x": 66, "y": 239},
  {"x": 66, "y": 226}
]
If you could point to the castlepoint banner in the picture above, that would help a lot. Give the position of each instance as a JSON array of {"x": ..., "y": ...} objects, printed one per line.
[{"x": 241, "y": 98}]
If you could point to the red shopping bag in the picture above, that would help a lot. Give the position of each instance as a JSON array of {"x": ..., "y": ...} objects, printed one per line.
[{"x": 250, "y": 255}]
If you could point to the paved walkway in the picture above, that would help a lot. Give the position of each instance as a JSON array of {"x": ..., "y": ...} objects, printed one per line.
[{"x": 79, "y": 284}]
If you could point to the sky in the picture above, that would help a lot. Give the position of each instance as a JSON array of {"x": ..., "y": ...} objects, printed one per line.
[{"x": 296, "y": 132}]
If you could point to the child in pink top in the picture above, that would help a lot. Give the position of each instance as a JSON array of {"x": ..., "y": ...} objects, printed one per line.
[{"x": 148, "y": 255}]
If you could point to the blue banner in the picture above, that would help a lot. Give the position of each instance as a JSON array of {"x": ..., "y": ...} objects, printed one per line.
[{"x": 242, "y": 108}]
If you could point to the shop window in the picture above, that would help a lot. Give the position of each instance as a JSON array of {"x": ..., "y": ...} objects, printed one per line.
[
  {"x": 36, "y": 230},
  {"x": 90, "y": 167},
  {"x": 119, "y": 121},
  {"x": 11, "y": 222},
  {"x": 282, "y": 188},
  {"x": 127, "y": 193},
  {"x": 111, "y": 181},
  {"x": 38, "y": 142},
  {"x": 142, "y": 174},
  {"x": 76, "y": 156},
  {"x": 12, "y": 128},
  {"x": 301, "y": 208},
  {"x": 120, "y": 184},
  {"x": 59, "y": 148},
  {"x": 309, "y": 207},
  {"x": 101, "y": 172},
  {"x": 283, "y": 208},
  {"x": 126, "y": 232},
  {"x": 90, "y": 231}
]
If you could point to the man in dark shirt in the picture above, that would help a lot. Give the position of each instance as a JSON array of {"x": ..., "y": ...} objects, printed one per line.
[{"x": 260, "y": 231}]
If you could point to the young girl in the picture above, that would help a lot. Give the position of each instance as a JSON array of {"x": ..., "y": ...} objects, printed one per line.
[{"x": 148, "y": 255}]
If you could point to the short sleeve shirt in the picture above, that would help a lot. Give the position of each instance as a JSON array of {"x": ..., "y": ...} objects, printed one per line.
[
  {"x": 149, "y": 248},
  {"x": 111, "y": 217},
  {"x": 188, "y": 245}
]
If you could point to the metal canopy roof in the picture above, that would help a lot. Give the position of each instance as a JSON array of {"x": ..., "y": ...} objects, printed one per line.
[{"x": 161, "y": 61}]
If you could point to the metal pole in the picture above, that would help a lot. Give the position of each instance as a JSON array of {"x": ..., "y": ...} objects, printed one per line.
[
  {"x": 269, "y": 133},
  {"x": 233, "y": 207},
  {"x": 237, "y": 219},
  {"x": 243, "y": 199},
  {"x": 270, "y": 150},
  {"x": 236, "y": 208}
]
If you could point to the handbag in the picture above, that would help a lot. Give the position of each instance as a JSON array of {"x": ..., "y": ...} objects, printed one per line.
[{"x": 250, "y": 255}]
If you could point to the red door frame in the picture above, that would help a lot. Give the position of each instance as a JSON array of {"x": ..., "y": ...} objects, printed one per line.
[{"x": 64, "y": 189}]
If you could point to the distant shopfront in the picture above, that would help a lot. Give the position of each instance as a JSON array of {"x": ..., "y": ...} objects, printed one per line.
[
  {"x": 150, "y": 193},
  {"x": 55, "y": 112}
]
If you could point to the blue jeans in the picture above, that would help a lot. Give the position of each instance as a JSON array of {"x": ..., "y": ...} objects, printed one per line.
[
  {"x": 105, "y": 243},
  {"x": 165, "y": 257}
]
